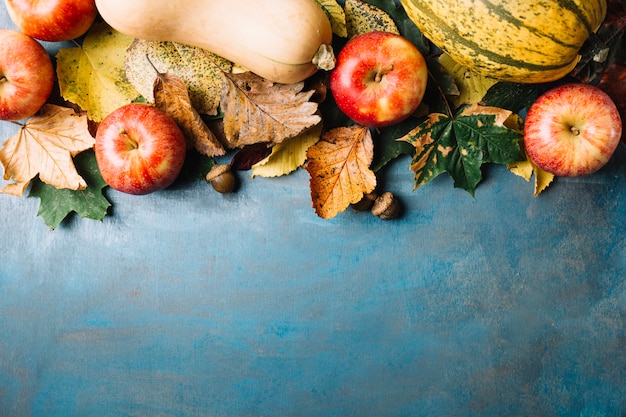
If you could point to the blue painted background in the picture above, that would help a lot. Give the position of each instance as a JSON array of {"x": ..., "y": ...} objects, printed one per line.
[{"x": 190, "y": 303}]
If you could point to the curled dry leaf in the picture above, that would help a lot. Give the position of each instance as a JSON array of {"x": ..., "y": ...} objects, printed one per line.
[
  {"x": 171, "y": 96},
  {"x": 44, "y": 146},
  {"x": 260, "y": 111},
  {"x": 339, "y": 167}
]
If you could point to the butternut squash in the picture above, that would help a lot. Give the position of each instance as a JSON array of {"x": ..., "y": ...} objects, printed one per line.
[{"x": 284, "y": 41}]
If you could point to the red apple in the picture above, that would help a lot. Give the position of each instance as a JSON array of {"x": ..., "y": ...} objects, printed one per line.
[
  {"x": 572, "y": 130},
  {"x": 26, "y": 75},
  {"x": 139, "y": 149},
  {"x": 52, "y": 20},
  {"x": 379, "y": 80}
]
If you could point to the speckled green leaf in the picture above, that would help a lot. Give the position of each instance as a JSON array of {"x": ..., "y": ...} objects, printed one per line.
[
  {"x": 92, "y": 75},
  {"x": 57, "y": 204},
  {"x": 200, "y": 70},
  {"x": 363, "y": 17},
  {"x": 462, "y": 144}
]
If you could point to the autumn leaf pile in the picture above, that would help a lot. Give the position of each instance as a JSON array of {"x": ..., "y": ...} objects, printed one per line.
[{"x": 270, "y": 129}]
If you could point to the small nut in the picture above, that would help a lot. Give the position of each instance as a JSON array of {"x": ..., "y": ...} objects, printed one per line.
[
  {"x": 221, "y": 178},
  {"x": 366, "y": 202},
  {"x": 386, "y": 206}
]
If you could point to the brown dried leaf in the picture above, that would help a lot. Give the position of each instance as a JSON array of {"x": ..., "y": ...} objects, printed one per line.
[
  {"x": 339, "y": 169},
  {"x": 259, "y": 111},
  {"x": 44, "y": 146},
  {"x": 171, "y": 96}
]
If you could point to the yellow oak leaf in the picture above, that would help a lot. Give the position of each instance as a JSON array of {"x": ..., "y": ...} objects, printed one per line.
[
  {"x": 171, "y": 96},
  {"x": 472, "y": 86},
  {"x": 199, "y": 69},
  {"x": 44, "y": 146},
  {"x": 260, "y": 111},
  {"x": 287, "y": 156},
  {"x": 92, "y": 75},
  {"x": 339, "y": 167}
]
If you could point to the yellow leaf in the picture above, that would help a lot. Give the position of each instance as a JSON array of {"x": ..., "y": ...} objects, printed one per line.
[
  {"x": 363, "y": 17},
  {"x": 287, "y": 156},
  {"x": 472, "y": 86},
  {"x": 93, "y": 76},
  {"x": 339, "y": 167},
  {"x": 526, "y": 169},
  {"x": 336, "y": 16},
  {"x": 259, "y": 111},
  {"x": 200, "y": 70},
  {"x": 44, "y": 146},
  {"x": 171, "y": 96}
]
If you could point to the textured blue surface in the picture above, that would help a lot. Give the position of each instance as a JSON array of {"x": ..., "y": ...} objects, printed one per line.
[{"x": 189, "y": 303}]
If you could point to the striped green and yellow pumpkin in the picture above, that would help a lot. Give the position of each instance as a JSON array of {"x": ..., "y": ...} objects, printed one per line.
[{"x": 525, "y": 41}]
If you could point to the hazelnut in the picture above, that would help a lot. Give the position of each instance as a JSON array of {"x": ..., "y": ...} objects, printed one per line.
[
  {"x": 221, "y": 178},
  {"x": 386, "y": 206}
]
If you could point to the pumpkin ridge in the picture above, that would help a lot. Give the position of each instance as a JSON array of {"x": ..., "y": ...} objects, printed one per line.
[
  {"x": 493, "y": 56},
  {"x": 507, "y": 16},
  {"x": 576, "y": 10},
  {"x": 526, "y": 41}
]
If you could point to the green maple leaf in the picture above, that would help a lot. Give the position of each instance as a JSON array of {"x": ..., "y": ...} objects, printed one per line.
[
  {"x": 460, "y": 145},
  {"x": 56, "y": 204}
]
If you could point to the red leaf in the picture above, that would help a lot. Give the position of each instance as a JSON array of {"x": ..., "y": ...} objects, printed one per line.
[{"x": 613, "y": 82}]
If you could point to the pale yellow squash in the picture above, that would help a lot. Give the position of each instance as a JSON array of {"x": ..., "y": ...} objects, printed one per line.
[{"x": 284, "y": 41}]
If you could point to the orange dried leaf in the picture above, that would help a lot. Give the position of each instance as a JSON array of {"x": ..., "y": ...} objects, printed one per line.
[
  {"x": 339, "y": 166},
  {"x": 171, "y": 96},
  {"x": 44, "y": 146},
  {"x": 259, "y": 111}
]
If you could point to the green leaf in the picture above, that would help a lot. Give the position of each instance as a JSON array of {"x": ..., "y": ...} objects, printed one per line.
[
  {"x": 196, "y": 166},
  {"x": 460, "y": 145},
  {"x": 511, "y": 96},
  {"x": 56, "y": 204},
  {"x": 388, "y": 147},
  {"x": 441, "y": 88}
]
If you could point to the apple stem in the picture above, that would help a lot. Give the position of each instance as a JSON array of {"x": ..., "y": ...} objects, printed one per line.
[
  {"x": 381, "y": 72},
  {"x": 133, "y": 142},
  {"x": 575, "y": 130}
]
